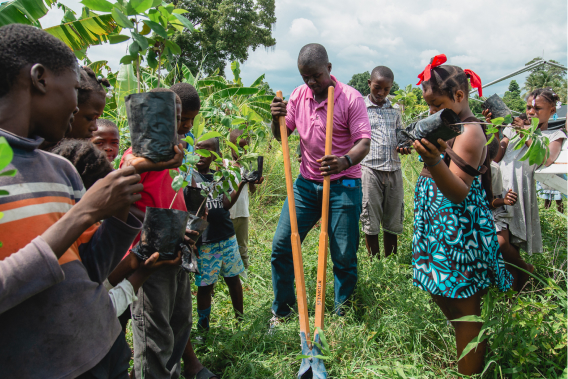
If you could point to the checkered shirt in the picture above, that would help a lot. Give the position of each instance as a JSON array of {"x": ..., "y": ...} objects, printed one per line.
[{"x": 385, "y": 121}]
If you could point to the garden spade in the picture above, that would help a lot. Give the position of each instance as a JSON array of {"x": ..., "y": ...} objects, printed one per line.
[
  {"x": 296, "y": 244},
  {"x": 312, "y": 364}
]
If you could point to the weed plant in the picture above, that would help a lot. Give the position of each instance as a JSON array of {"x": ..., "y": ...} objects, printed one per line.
[{"x": 392, "y": 329}]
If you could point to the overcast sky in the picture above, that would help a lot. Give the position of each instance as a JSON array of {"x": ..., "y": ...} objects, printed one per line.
[{"x": 493, "y": 38}]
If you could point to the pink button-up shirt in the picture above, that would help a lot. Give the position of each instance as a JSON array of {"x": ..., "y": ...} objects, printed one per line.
[{"x": 350, "y": 123}]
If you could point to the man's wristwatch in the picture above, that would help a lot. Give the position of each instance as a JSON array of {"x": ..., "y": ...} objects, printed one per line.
[{"x": 349, "y": 162}]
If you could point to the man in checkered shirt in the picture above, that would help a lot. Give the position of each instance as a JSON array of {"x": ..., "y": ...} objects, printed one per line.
[{"x": 383, "y": 193}]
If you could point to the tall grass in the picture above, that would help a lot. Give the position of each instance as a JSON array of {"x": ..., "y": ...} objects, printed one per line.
[{"x": 393, "y": 330}]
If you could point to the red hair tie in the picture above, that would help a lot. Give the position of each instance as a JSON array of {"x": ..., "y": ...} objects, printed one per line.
[
  {"x": 474, "y": 80},
  {"x": 425, "y": 75}
]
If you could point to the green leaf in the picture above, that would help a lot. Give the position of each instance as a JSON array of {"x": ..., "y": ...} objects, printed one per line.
[
  {"x": 198, "y": 125},
  {"x": 140, "y": 40},
  {"x": 232, "y": 146},
  {"x": 192, "y": 159},
  {"x": 173, "y": 173},
  {"x": 155, "y": 3},
  {"x": 498, "y": 121},
  {"x": 209, "y": 135},
  {"x": 141, "y": 6},
  {"x": 469, "y": 318},
  {"x": 189, "y": 140},
  {"x": 508, "y": 119},
  {"x": 183, "y": 168},
  {"x": 177, "y": 183},
  {"x": 151, "y": 59},
  {"x": 203, "y": 152},
  {"x": 534, "y": 124},
  {"x": 121, "y": 19},
  {"x": 187, "y": 75},
  {"x": 127, "y": 59},
  {"x": 4, "y": 193},
  {"x": 184, "y": 21},
  {"x": 490, "y": 139},
  {"x": 22, "y": 12},
  {"x": 80, "y": 34},
  {"x": 175, "y": 49},
  {"x": 6, "y": 153},
  {"x": 98, "y": 5},
  {"x": 157, "y": 28},
  {"x": 117, "y": 38},
  {"x": 9, "y": 173},
  {"x": 133, "y": 49}
]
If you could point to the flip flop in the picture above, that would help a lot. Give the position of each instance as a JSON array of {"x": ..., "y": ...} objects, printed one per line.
[{"x": 204, "y": 373}]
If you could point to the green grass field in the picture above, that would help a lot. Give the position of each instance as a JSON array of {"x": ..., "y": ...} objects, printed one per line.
[{"x": 393, "y": 329}]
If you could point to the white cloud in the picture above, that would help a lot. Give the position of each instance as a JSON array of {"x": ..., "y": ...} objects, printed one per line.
[{"x": 302, "y": 28}]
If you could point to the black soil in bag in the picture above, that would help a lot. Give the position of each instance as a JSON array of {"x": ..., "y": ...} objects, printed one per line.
[
  {"x": 496, "y": 106},
  {"x": 162, "y": 232},
  {"x": 152, "y": 123},
  {"x": 255, "y": 173},
  {"x": 439, "y": 125},
  {"x": 194, "y": 200},
  {"x": 198, "y": 224}
]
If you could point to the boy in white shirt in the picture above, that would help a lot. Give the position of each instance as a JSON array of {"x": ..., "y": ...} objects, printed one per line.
[{"x": 240, "y": 210}]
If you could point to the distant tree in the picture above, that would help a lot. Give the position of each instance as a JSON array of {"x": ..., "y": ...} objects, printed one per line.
[
  {"x": 225, "y": 30},
  {"x": 361, "y": 84},
  {"x": 546, "y": 76},
  {"x": 512, "y": 97},
  {"x": 265, "y": 86}
]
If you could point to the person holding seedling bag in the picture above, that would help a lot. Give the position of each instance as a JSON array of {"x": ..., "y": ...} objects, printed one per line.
[
  {"x": 161, "y": 317},
  {"x": 306, "y": 111},
  {"x": 455, "y": 250},
  {"x": 518, "y": 175}
]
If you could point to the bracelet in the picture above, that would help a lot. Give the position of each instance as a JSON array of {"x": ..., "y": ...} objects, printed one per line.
[
  {"x": 349, "y": 161},
  {"x": 434, "y": 164},
  {"x": 492, "y": 204}
]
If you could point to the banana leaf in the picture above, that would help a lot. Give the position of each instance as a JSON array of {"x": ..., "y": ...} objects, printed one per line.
[
  {"x": 24, "y": 11},
  {"x": 81, "y": 34}
]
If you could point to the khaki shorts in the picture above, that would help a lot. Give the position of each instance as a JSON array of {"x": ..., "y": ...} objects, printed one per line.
[{"x": 383, "y": 201}]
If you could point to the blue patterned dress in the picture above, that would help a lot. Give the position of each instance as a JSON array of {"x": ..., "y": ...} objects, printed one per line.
[{"x": 455, "y": 252}]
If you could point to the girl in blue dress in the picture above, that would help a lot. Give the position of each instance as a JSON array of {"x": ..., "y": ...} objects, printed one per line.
[{"x": 455, "y": 249}]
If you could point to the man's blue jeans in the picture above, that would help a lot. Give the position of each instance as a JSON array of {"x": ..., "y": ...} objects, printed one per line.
[{"x": 345, "y": 209}]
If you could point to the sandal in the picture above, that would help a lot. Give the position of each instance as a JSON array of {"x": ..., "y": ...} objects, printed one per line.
[{"x": 204, "y": 373}]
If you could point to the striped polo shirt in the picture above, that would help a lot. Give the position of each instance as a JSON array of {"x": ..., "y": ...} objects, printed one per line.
[{"x": 69, "y": 327}]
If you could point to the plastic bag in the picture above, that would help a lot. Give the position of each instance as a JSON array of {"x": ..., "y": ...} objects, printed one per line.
[
  {"x": 153, "y": 125},
  {"x": 441, "y": 124},
  {"x": 496, "y": 106},
  {"x": 255, "y": 173},
  {"x": 163, "y": 231},
  {"x": 194, "y": 200}
]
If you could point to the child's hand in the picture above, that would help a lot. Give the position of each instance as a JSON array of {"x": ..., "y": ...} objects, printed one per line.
[
  {"x": 510, "y": 198},
  {"x": 404, "y": 150},
  {"x": 487, "y": 115},
  {"x": 152, "y": 264},
  {"x": 430, "y": 154},
  {"x": 259, "y": 181},
  {"x": 144, "y": 164}
]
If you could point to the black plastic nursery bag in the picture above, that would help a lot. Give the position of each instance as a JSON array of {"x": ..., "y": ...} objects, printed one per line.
[
  {"x": 441, "y": 124},
  {"x": 496, "y": 106},
  {"x": 162, "y": 232},
  {"x": 153, "y": 125},
  {"x": 255, "y": 172}
]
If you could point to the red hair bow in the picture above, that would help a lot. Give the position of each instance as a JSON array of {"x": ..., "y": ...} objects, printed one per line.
[
  {"x": 474, "y": 80},
  {"x": 438, "y": 60}
]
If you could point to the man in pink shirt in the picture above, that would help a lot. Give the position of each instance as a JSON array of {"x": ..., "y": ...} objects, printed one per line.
[{"x": 306, "y": 112}]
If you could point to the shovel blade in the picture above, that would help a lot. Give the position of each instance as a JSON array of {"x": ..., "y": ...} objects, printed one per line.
[{"x": 311, "y": 367}]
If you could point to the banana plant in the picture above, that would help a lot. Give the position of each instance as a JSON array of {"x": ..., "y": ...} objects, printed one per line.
[{"x": 24, "y": 11}]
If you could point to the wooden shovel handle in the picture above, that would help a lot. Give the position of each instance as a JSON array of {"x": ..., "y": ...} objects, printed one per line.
[
  {"x": 324, "y": 238},
  {"x": 295, "y": 236}
]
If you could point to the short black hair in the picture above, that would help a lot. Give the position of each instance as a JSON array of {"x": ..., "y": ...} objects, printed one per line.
[
  {"x": 90, "y": 83},
  {"x": 493, "y": 148},
  {"x": 446, "y": 80},
  {"x": 22, "y": 45},
  {"x": 313, "y": 54},
  {"x": 90, "y": 162},
  {"x": 189, "y": 97},
  {"x": 545, "y": 93},
  {"x": 178, "y": 100},
  {"x": 382, "y": 72},
  {"x": 106, "y": 123}
]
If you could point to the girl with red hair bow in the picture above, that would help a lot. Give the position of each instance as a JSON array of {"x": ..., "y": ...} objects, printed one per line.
[{"x": 455, "y": 249}]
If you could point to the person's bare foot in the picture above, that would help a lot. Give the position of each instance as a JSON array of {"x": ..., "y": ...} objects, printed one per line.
[{"x": 524, "y": 277}]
